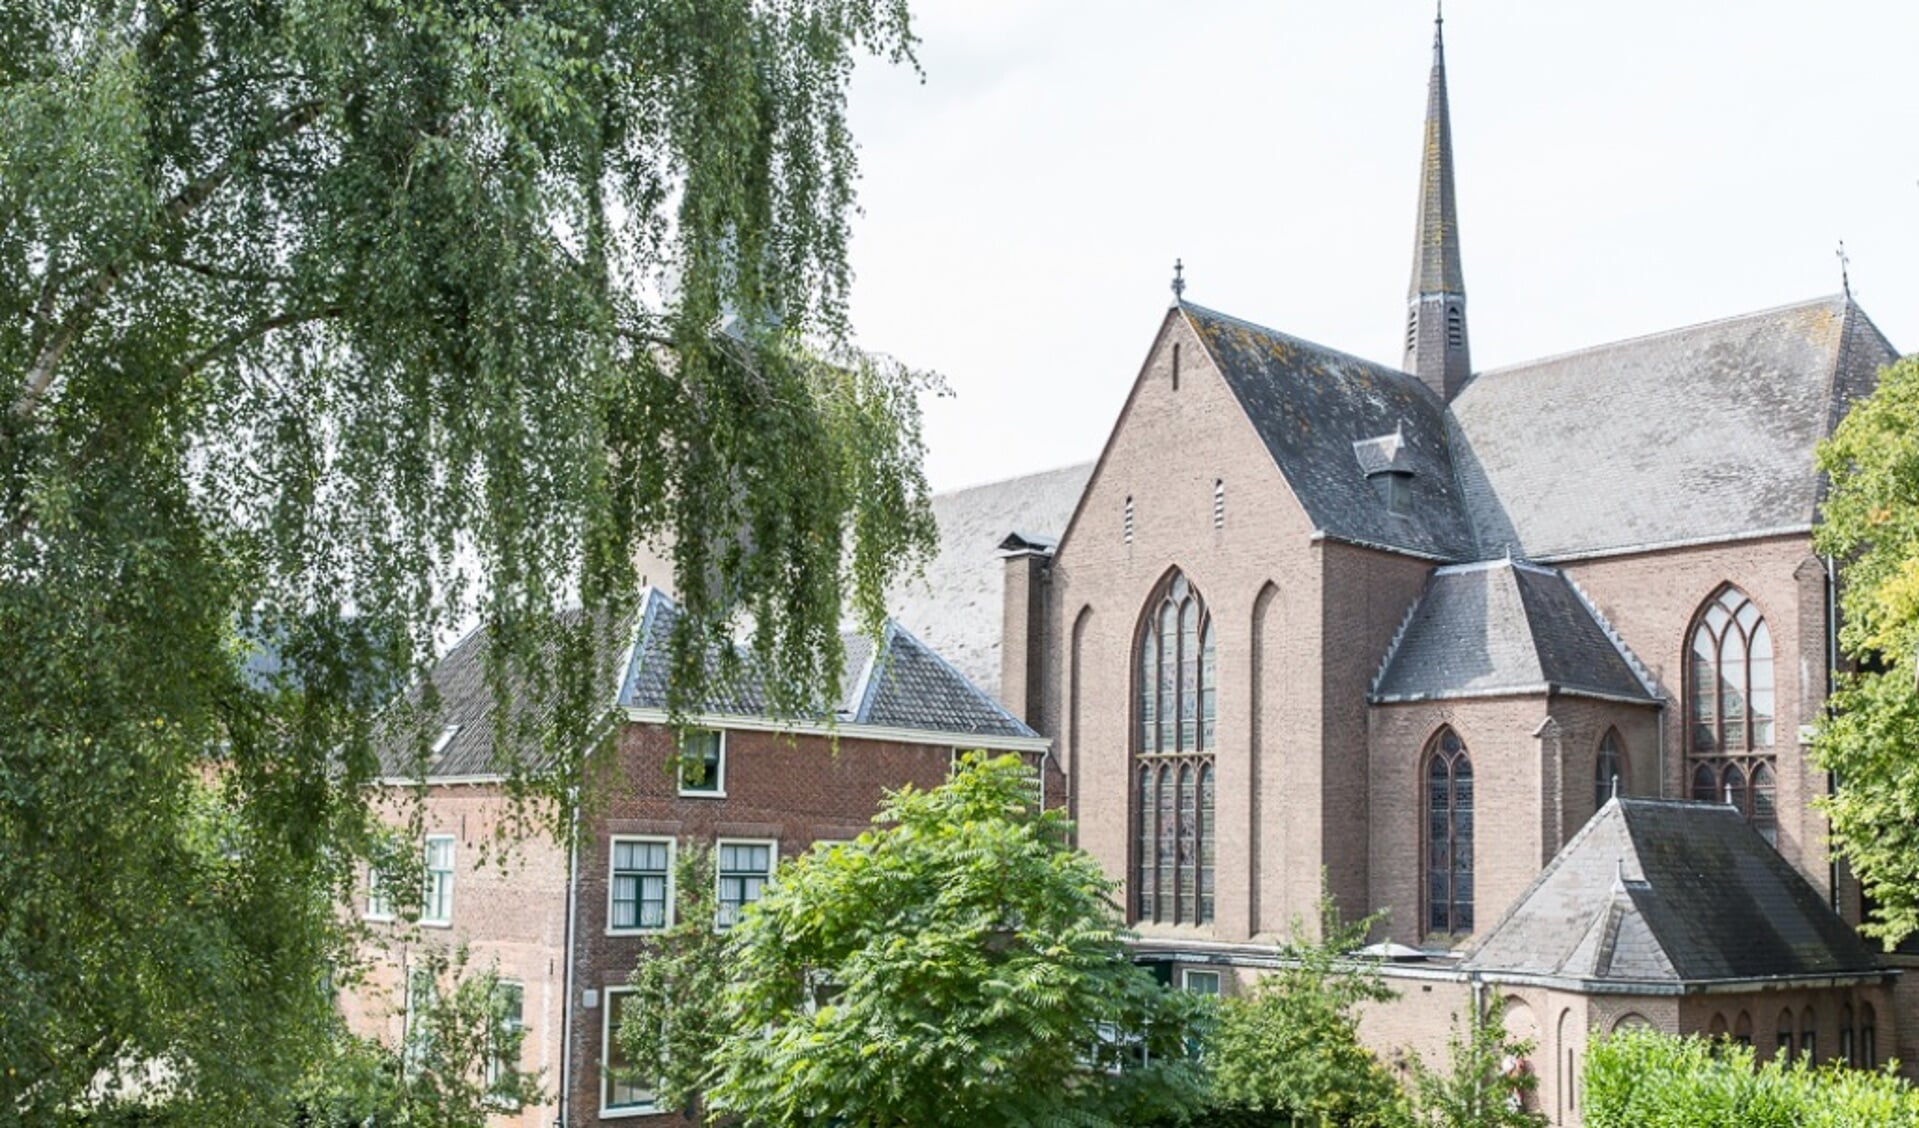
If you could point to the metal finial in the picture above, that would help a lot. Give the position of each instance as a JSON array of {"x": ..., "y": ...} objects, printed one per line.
[
  {"x": 1615, "y": 785},
  {"x": 1179, "y": 279},
  {"x": 1729, "y": 794},
  {"x": 1845, "y": 268}
]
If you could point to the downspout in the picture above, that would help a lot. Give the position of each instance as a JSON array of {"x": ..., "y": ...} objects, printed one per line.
[
  {"x": 1832, "y": 679},
  {"x": 572, "y": 911}
]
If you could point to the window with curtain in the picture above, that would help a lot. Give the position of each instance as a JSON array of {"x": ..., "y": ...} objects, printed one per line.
[
  {"x": 1729, "y": 709},
  {"x": 1176, "y": 729}
]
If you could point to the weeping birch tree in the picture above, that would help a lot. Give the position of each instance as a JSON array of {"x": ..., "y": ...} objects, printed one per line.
[{"x": 327, "y": 327}]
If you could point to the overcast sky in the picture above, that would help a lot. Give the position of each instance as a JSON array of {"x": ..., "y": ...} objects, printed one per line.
[{"x": 1622, "y": 168}]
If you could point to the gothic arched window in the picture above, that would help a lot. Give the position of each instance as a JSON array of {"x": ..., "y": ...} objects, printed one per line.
[
  {"x": 1178, "y": 711},
  {"x": 1609, "y": 769},
  {"x": 1729, "y": 711},
  {"x": 1449, "y": 835}
]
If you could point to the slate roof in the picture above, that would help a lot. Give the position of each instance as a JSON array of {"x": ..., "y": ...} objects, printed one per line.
[
  {"x": 957, "y": 606},
  {"x": 1311, "y": 404},
  {"x": 467, "y": 708},
  {"x": 1696, "y": 434},
  {"x": 1436, "y": 265},
  {"x": 1662, "y": 894},
  {"x": 899, "y": 684},
  {"x": 1504, "y": 627}
]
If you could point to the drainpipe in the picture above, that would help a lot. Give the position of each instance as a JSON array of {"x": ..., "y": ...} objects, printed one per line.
[
  {"x": 572, "y": 911},
  {"x": 1832, "y": 677}
]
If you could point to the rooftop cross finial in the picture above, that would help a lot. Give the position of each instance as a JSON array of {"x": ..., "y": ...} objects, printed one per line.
[
  {"x": 1179, "y": 279},
  {"x": 1439, "y": 16},
  {"x": 1845, "y": 268}
]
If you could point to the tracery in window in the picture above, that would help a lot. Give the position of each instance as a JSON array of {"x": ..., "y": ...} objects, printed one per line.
[
  {"x": 1177, "y": 725},
  {"x": 1729, "y": 711},
  {"x": 1449, "y": 835}
]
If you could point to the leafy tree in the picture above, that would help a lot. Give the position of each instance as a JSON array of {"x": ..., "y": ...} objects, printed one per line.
[
  {"x": 1870, "y": 740},
  {"x": 960, "y": 963},
  {"x": 679, "y": 987},
  {"x": 327, "y": 327},
  {"x": 458, "y": 1065},
  {"x": 1648, "y": 1079},
  {"x": 1290, "y": 1048},
  {"x": 1480, "y": 1087}
]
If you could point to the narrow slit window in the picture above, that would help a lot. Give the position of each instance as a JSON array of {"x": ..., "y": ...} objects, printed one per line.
[{"x": 1219, "y": 503}]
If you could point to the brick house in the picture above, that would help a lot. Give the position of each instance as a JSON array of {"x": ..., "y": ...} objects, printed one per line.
[
  {"x": 564, "y": 928},
  {"x": 1524, "y": 658}
]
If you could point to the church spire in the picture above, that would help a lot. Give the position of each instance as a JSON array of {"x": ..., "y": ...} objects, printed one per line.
[{"x": 1436, "y": 346}]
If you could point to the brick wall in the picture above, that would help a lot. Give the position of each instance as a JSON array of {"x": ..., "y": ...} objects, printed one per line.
[
  {"x": 794, "y": 790},
  {"x": 509, "y": 910},
  {"x": 1166, "y": 452}
]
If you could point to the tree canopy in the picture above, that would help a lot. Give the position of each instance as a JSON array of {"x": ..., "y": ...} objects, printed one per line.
[
  {"x": 1870, "y": 739},
  {"x": 961, "y": 963},
  {"x": 328, "y": 327}
]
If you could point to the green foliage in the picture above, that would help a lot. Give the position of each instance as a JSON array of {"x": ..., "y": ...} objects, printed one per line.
[
  {"x": 1290, "y": 1048},
  {"x": 679, "y": 989},
  {"x": 459, "y": 1064},
  {"x": 1646, "y": 1079},
  {"x": 327, "y": 327},
  {"x": 1870, "y": 523},
  {"x": 960, "y": 963},
  {"x": 1479, "y": 1088}
]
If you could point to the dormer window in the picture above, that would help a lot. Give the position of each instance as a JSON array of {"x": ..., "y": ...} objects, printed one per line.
[
  {"x": 1387, "y": 463},
  {"x": 1395, "y": 489}
]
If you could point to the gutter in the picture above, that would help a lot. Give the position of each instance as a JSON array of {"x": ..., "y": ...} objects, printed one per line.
[{"x": 862, "y": 732}]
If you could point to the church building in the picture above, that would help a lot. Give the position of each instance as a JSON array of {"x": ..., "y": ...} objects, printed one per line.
[{"x": 1525, "y": 659}]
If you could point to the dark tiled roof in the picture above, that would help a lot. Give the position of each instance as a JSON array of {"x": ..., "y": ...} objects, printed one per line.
[
  {"x": 467, "y": 708},
  {"x": 1436, "y": 266},
  {"x": 1693, "y": 434},
  {"x": 901, "y": 684},
  {"x": 1663, "y": 892},
  {"x": 956, "y": 607},
  {"x": 1501, "y": 627},
  {"x": 1310, "y": 406}
]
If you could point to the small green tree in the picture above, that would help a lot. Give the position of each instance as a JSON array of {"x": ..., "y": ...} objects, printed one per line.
[
  {"x": 1870, "y": 523},
  {"x": 679, "y": 987},
  {"x": 961, "y": 963},
  {"x": 1481, "y": 1086},
  {"x": 458, "y": 1065},
  {"x": 1290, "y": 1048}
]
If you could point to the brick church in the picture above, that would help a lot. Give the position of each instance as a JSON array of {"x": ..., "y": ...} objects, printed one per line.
[{"x": 1524, "y": 659}]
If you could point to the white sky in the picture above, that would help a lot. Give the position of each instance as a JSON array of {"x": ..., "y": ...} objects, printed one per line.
[{"x": 1623, "y": 167}]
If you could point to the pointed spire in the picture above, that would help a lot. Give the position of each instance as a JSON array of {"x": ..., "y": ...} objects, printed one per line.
[{"x": 1436, "y": 344}]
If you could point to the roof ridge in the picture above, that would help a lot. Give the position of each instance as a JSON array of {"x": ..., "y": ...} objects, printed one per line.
[
  {"x": 865, "y": 686},
  {"x": 1411, "y": 380},
  {"x": 992, "y": 482},
  {"x": 1600, "y": 817},
  {"x": 1613, "y": 636},
  {"x": 1399, "y": 636},
  {"x": 1636, "y": 338},
  {"x": 899, "y": 632}
]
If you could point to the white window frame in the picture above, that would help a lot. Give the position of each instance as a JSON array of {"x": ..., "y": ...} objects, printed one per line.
[
  {"x": 1188, "y": 974},
  {"x": 718, "y": 790},
  {"x": 379, "y": 903},
  {"x": 719, "y": 876},
  {"x": 426, "y": 891},
  {"x": 492, "y": 1072},
  {"x": 672, "y": 859},
  {"x": 410, "y": 1049},
  {"x": 649, "y": 1107}
]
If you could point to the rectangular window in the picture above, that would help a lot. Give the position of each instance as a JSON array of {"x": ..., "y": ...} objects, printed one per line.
[
  {"x": 703, "y": 763},
  {"x": 1199, "y": 982},
  {"x": 745, "y": 868},
  {"x": 640, "y": 889},
  {"x": 436, "y": 905},
  {"x": 417, "y": 1032},
  {"x": 379, "y": 906},
  {"x": 503, "y": 1043},
  {"x": 620, "y": 1095}
]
